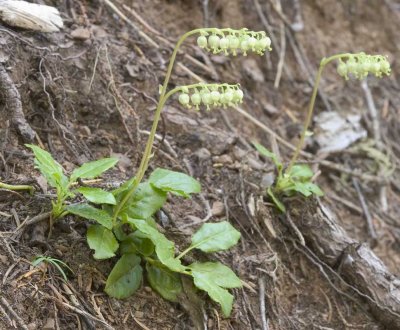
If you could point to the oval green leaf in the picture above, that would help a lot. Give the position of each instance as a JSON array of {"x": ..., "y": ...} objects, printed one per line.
[
  {"x": 50, "y": 169},
  {"x": 125, "y": 277},
  {"x": 217, "y": 273},
  {"x": 102, "y": 241},
  {"x": 174, "y": 182},
  {"x": 165, "y": 249},
  {"x": 97, "y": 195},
  {"x": 137, "y": 242},
  {"x": 166, "y": 283},
  {"x": 89, "y": 212},
  {"x": 93, "y": 169},
  {"x": 212, "y": 237},
  {"x": 146, "y": 201}
]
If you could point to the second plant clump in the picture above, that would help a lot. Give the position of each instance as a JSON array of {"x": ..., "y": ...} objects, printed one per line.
[{"x": 297, "y": 178}]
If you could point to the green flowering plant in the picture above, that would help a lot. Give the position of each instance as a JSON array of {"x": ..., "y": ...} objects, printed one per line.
[
  {"x": 297, "y": 178},
  {"x": 128, "y": 226}
]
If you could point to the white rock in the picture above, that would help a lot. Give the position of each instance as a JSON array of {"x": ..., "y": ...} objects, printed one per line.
[{"x": 30, "y": 16}]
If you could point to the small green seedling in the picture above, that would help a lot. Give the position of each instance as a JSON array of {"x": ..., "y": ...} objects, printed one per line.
[
  {"x": 288, "y": 183},
  {"x": 58, "y": 264},
  {"x": 297, "y": 178},
  {"x": 54, "y": 174}
]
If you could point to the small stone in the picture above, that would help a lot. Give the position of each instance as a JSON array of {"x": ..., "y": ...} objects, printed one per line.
[
  {"x": 139, "y": 314},
  {"x": 203, "y": 154},
  {"x": 32, "y": 326},
  {"x": 80, "y": 33},
  {"x": 218, "y": 208},
  {"x": 148, "y": 289},
  {"x": 223, "y": 159},
  {"x": 50, "y": 324},
  {"x": 267, "y": 180}
]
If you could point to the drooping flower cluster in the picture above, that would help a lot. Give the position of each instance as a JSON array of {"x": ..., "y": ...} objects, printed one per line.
[
  {"x": 360, "y": 65},
  {"x": 231, "y": 41},
  {"x": 210, "y": 95}
]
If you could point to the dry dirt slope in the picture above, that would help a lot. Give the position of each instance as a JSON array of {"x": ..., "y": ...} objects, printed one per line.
[{"x": 89, "y": 91}]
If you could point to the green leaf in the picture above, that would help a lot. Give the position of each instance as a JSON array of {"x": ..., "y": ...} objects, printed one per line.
[
  {"x": 268, "y": 154},
  {"x": 93, "y": 169},
  {"x": 166, "y": 283},
  {"x": 276, "y": 201},
  {"x": 213, "y": 277},
  {"x": 302, "y": 188},
  {"x": 89, "y": 212},
  {"x": 174, "y": 182},
  {"x": 103, "y": 241},
  {"x": 137, "y": 242},
  {"x": 307, "y": 188},
  {"x": 213, "y": 237},
  {"x": 97, "y": 195},
  {"x": 125, "y": 277},
  {"x": 165, "y": 249},
  {"x": 300, "y": 173},
  {"x": 146, "y": 201},
  {"x": 217, "y": 273},
  {"x": 50, "y": 169}
]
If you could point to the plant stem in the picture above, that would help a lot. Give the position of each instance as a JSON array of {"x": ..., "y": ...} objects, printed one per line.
[
  {"x": 149, "y": 145},
  {"x": 185, "y": 252},
  {"x": 307, "y": 122},
  {"x": 17, "y": 187}
]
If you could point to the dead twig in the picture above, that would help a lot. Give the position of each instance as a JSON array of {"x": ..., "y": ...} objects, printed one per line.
[
  {"x": 264, "y": 319},
  {"x": 13, "y": 313},
  {"x": 367, "y": 214}
]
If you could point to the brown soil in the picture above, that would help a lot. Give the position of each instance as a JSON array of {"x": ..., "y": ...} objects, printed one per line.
[{"x": 90, "y": 92}]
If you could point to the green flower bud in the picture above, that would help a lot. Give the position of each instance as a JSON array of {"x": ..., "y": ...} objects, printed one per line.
[
  {"x": 228, "y": 95},
  {"x": 215, "y": 96},
  {"x": 244, "y": 46},
  {"x": 213, "y": 42},
  {"x": 237, "y": 96},
  {"x": 385, "y": 66},
  {"x": 224, "y": 43},
  {"x": 376, "y": 68},
  {"x": 342, "y": 70},
  {"x": 184, "y": 99},
  {"x": 252, "y": 43},
  {"x": 234, "y": 44},
  {"x": 206, "y": 98},
  {"x": 196, "y": 99},
  {"x": 202, "y": 41}
]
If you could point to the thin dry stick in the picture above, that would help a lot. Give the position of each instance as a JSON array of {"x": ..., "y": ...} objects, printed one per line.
[
  {"x": 267, "y": 27},
  {"x": 264, "y": 320},
  {"x": 367, "y": 214},
  {"x": 283, "y": 49},
  {"x": 14, "y": 314},
  {"x": 165, "y": 41},
  {"x": 133, "y": 25},
  {"x": 376, "y": 128}
]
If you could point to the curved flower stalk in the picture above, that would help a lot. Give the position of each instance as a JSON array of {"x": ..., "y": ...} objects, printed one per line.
[
  {"x": 228, "y": 41},
  {"x": 358, "y": 65}
]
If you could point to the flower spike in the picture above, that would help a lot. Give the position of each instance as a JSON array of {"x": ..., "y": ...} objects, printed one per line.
[
  {"x": 210, "y": 95},
  {"x": 229, "y": 41},
  {"x": 360, "y": 65}
]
